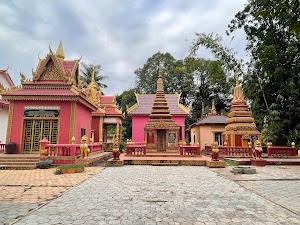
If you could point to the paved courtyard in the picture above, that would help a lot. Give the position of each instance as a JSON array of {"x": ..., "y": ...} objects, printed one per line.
[{"x": 173, "y": 195}]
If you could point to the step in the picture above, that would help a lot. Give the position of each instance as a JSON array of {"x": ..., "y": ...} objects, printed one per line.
[
  {"x": 165, "y": 164},
  {"x": 18, "y": 163},
  {"x": 17, "y": 167},
  {"x": 19, "y": 160}
]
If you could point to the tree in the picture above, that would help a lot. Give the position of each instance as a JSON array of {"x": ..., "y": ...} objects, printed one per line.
[
  {"x": 272, "y": 29},
  {"x": 146, "y": 77},
  {"x": 86, "y": 75},
  {"x": 124, "y": 101},
  {"x": 210, "y": 82}
]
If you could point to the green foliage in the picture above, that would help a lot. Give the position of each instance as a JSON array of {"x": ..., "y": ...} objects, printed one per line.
[
  {"x": 122, "y": 146},
  {"x": 271, "y": 82},
  {"x": 124, "y": 101},
  {"x": 59, "y": 169},
  {"x": 272, "y": 30},
  {"x": 86, "y": 75}
]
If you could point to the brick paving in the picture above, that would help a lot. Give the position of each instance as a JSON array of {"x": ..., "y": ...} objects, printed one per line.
[
  {"x": 171, "y": 195},
  {"x": 22, "y": 191}
]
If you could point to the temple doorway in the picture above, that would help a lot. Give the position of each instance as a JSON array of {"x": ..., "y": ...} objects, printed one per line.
[
  {"x": 35, "y": 130},
  {"x": 245, "y": 142},
  {"x": 161, "y": 140}
]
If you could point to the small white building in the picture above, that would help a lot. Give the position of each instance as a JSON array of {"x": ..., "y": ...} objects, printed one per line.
[{"x": 5, "y": 82}]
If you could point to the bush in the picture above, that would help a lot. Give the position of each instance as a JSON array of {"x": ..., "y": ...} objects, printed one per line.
[{"x": 76, "y": 167}]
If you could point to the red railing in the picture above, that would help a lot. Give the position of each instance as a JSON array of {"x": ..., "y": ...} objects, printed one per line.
[
  {"x": 2, "y": 148},
  {"x": 189, "y": 150},
  {"x": 239, "y": 151},
  {"x": 231, "y": 151},
  {"x": 136, "y": 149},
  {"x": 70, "y": 149},
  {"x": 278, "y": 151}
]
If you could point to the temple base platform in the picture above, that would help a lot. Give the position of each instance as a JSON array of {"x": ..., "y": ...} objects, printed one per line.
[
  {"x": 215, "y": 164},
  {"x": 258, "y": 162}
]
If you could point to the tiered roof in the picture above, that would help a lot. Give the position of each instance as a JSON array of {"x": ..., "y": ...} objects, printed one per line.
[
  {"x": 240, "y": 120},
  {"x": 54, "y": 79},
  {"x": 108, "y": 107}
]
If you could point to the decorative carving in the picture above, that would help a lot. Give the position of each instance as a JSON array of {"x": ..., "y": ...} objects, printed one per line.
[{"x": 23, "y": 78}]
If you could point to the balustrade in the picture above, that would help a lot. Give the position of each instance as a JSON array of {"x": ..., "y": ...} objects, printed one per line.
[
  {"x": 189, "y": 150},
  {"x": 70, "y": 149},
  {"x": 278, "y": 151},
  {"x": 2, "y": 147},
  {"x": 136, "y": 149}
]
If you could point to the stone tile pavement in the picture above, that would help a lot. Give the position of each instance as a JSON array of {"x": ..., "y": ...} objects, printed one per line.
[
  {"x": 163, "y": 195},
  {"x": 22, "y": 191},
  {"x": 279, "y": 184}
]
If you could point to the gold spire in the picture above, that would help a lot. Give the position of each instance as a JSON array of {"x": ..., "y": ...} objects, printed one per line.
[
  {"x": 160, "y": 81},
  {"x": 213, "y": 109},
  {"x": 238, "y": 94},
  {"x": 93, "y": 74},
  {"x": 237, "y": 76},
  {"x": 60, "y": 53}
]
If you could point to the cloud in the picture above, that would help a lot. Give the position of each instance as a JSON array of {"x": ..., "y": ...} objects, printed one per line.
[{"x": 120, "y": 35}]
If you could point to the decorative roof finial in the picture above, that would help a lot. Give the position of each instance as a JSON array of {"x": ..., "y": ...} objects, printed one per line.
[
  {"x": 160, "y": 82},
  {"x": 159, "y": 71},
  {"x": 238, "y": 94},
  {"x": 213, "y": 109},
  {"x": 237, "y": 76},
  {"x": 93, "y": 73},
  {"x": 50, "y": 47},
  {"x": 60, "y": 52}
]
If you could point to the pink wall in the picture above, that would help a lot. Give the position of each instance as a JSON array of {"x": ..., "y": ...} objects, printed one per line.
[
  {"x": 138, "y": 124},
  {"x": 17, "y": 122},
  {"x": 83, "y": 120},
  {"x": 95, "y": 127}
]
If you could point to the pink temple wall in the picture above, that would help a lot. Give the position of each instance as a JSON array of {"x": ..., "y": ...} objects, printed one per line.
[
  {"x": 83, "y": 120},
  {"x": 138, "y": 124},
  {"x": 95, "y": 127},
  {"x": 18, "y": 126}
]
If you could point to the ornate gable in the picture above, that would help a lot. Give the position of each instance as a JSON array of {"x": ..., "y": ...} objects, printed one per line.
[{"x": 54, "y": 68}]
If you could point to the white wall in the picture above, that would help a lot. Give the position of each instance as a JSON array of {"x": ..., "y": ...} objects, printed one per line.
[{"x": 3, "y": 124}]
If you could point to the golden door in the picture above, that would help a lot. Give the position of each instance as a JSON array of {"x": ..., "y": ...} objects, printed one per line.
[{"x": 35, "y": 130}]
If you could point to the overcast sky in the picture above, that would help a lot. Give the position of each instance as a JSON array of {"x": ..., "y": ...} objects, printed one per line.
[{"x": 120, "y": 35}]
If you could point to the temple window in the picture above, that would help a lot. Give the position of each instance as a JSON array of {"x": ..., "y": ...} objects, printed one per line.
[
  {"x": 82, "y": 132},
  {"x": 218, "y": 138}
]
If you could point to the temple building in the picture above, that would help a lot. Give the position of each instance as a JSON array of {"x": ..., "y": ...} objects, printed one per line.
[
  {"x": 240, "y": 128},
  {"x": 158, "y": 119},
  {"x": 5, "y": 83},
  {"x": 53, "y": 105},
  {"x": 208, "y": 129}
]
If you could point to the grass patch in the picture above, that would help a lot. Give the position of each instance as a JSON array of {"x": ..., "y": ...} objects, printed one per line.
[
  {"x": 78, "y": 168},
  {"x": 230, "y": 163}
]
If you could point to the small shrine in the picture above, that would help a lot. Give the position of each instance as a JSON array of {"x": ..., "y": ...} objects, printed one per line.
[
  {"x": 208, "y": 128},
  {"x": 161, "y": 132},
  {"x": 240, "y": 129}
]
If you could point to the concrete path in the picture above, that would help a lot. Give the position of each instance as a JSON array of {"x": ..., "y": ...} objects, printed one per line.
[{"x": 161, "y": 195}]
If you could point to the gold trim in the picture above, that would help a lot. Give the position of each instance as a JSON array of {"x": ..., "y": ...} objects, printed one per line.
[
  {"x": 10, "y": 116},
  {"x": 72, "y": 120}
]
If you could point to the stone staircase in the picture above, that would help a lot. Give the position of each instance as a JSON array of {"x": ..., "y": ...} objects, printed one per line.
[{"x": 18, "y": 161}]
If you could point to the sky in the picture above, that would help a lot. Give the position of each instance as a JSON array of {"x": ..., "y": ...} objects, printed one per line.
[{"x": 120, "y": 35}]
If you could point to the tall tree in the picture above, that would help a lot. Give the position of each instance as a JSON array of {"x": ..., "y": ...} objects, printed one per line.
[
  {"x": 272, "y": 29},
  {"x": 125, "y": 100},
  {"x": 146, "y": 76},
  {"x": 210, "y": 82},
  {"x": 86, "y": 75}
]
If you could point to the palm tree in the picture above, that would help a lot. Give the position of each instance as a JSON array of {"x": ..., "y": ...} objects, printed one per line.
[{"x": 86, "y": 75}]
